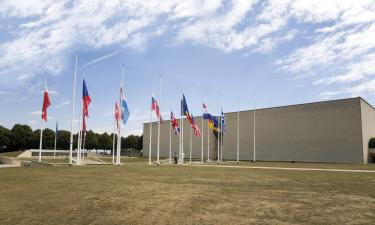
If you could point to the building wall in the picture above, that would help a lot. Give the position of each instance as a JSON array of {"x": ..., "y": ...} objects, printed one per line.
[
  {"x": 316, "y": 132},
  {"x": 368, "y": 128}
]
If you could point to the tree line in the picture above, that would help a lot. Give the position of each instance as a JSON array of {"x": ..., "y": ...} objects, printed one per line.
[{"x": 22, "y": 137}]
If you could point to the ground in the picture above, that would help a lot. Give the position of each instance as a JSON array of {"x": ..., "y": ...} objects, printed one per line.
[{"x": 140, "y": 194}]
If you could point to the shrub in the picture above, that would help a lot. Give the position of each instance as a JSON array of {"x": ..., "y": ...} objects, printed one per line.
[{"x": 371, "y": 143}]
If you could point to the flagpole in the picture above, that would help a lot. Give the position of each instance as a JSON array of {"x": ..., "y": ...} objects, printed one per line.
[
  {"x": 254, "y": 134},
  {"x": 238, "y": 132},
  {"x": 54, "y": 149},
  {"x": 158, "y": 149},
  {"x": 113, "y": 141},
  {"x": 202, "y": 138},
  {"x": 149, "y": 151},
  {"x": 180, "y": 149},
  {"x": 218, "y": 132},
  {"x": 170, "y": 139},
  {"x": 208, "y": 142},
  {"x": 221, "y": 137},
  {"x": 41, "y": 126},
  {"x": 72, "y": 121},
  {"x": 41, "y": 138},
  {"x": 191, "y": 142},
  {"x": 182, "y": 143}
]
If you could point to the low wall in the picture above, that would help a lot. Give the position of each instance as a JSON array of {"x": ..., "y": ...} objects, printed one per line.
[
  {"x": 34, "y": 164},
  {"x": 9, "y": 161}
]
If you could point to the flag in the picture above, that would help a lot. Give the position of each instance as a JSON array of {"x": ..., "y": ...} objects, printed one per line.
[
  {"x": 86, "y": 99},
  {"x": 214, "y": 124},
  {"x": 222, "y": 121},
  {"x": 117, "y": 114},
  {"x": 184, "y": 108},
  {"x": 174, "y": 124},
  {"x": 124, "y": 108},
  {"x": 155, "y": 106},
  {"x": 194, "y": 126},
  {"x": 206, "y": 114},
  {"x": 46, "y": 103},
  {"x": 212, "y": 121}
]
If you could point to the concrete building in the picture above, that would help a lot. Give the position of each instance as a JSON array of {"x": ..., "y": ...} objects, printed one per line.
[{"x": 331, "y": 131}]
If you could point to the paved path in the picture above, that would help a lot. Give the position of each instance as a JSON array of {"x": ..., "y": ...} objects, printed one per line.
[
  {"x": 8, "y": 166},
  {"x": 285, "y": 168}
]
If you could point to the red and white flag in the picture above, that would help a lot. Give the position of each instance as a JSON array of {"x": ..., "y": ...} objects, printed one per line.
[
  {"x": 117, "y": 114},
  {"x": 155, "y": 106},
  {"x": 46, "y": 103}
]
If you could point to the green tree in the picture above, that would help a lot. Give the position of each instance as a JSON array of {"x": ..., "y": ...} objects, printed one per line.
[
  {"x": 22, "y": 136},
  {"x": 5, "y": 139},
  {"x": 48, "y": 139},
  {"x": 63, "y": 140},
  {"x": 91, "y": 140},
  {"x": 105, "y": 141}
]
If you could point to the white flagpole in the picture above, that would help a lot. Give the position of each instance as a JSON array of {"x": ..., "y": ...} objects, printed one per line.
[
  {"x": 158, "y": 149},
  {"x": 113, "y": 142},
  {"x": 180, "y": 149},
  {"x": 79, "y": 142},
  {"x": 41, "y": 126},
  {"x": 54, "y": 149},
  {"x": 218, "y": 133},
  {"x": 118, "y": 159},
  {"x": 208, "y": 143},
  {"x": 191, "y": 142},
  {"x": 182, "y": 139},
  {"x": 170, "y": 139},
  {"x": 254, "y": 134},
  {"x": 221, "y": 137},
  {"x": 202, "y": 138},
  {"x": 41, "y": 138},
  {"x": 238, "y": 132},
  {"x": 72, "y": 121},
  {"x": 149, "y": 150}
]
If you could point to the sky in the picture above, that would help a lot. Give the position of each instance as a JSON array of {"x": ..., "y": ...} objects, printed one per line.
[{"x": 227, "y": 53}]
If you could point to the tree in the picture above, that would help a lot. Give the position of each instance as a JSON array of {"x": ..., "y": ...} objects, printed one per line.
[
  {"x": 91, "y": 140},
  {"x": 48, "y": 139},
  {"x": 22, "y": 136},
  {"x": 105, "y": 141},
  {"x": 5, "y": 139},
  {"x": 63, "y": 140}
]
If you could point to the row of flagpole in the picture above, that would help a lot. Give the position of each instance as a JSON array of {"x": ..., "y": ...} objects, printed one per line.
[{"x": 220, "y": 132}]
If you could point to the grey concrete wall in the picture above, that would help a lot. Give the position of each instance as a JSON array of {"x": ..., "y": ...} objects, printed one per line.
[
  {"x": 368, "y": 128},
  {"x": 316, "y": 132}
]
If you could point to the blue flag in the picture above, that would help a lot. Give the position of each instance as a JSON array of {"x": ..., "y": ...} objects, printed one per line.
[
  {"x": 184, "y": 107},
  {"x": 222, "y": 121}
]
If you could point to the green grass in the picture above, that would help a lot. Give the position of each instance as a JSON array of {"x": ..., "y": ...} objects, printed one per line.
[{"x": 141, "y": 194}]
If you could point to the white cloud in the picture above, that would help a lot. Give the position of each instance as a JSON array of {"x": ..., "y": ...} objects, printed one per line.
[
  {"x": 62, "y": 104},
  {"x": 337, "y": 36},
  {"x": 37, "y": 113}
]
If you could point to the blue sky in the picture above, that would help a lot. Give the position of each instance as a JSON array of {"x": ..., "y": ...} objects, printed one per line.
[{"x": 271, "y": 52}]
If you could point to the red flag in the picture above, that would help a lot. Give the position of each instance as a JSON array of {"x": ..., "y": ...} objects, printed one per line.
[
  {"x": 117, "y": 113},
  {"x": 46, "y": 104},
  {"x": 86, "y": 99}
]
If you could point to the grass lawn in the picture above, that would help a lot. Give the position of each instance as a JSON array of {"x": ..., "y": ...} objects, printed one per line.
[{"x": 141, "y": 194}]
